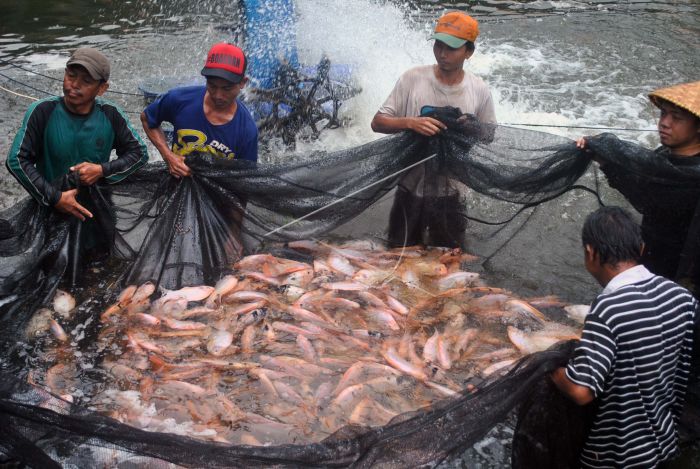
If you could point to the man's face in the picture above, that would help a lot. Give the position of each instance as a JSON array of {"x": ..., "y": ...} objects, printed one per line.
[
  {"x": 677, "y": 127},
  {"x": 223, "y": 93},
  {"x": 449, "y": 59},
  {"x": 80, "y": 89}
]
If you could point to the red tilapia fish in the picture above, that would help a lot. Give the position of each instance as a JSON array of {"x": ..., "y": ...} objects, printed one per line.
[{"x": 283, "y": 351}]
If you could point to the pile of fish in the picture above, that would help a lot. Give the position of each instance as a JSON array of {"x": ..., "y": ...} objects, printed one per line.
[{"x": 285, "y": 351}]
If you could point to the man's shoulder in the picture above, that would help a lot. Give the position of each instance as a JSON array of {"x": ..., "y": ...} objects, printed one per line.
[
  {"x": 634, "y": 295},
  {"x": 106, "y": 104},
  {"x": 475, "y": 81},
  {"x": 44, "y": 104},
  {"x": 186, "y": 93},
  {"x": 657, "y": 285},
  {"x": 246, "y": 117}
]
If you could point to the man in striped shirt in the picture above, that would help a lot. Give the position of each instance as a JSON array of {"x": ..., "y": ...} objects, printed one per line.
[{"x": 635, "y": 350}]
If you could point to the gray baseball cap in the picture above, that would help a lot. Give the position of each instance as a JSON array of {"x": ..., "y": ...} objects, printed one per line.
[{"x": 94, "y": 62}]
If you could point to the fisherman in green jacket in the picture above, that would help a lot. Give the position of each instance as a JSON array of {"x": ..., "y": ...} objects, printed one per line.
[{"x": 76, "y": 132}]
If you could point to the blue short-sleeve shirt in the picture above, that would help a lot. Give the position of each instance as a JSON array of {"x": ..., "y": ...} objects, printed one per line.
[{"x": 184, "y": 109}]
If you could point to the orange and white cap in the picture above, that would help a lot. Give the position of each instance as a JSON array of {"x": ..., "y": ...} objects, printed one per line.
[{"x": 455, "y": 29}]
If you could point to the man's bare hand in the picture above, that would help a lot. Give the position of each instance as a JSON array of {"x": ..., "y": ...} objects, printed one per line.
[
  {"x": 68, "y": 204},
  {"x": 426, "y": 126},
  {"x": 582, "y": 144},
  {"x": 89, "y": 173},
  {"x": 176, "y": 165}
]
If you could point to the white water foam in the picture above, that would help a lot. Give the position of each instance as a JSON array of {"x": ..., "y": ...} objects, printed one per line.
[
  {"x": 546, "y": 81},
  {"x": 47, "y": 61},
  {"x": 375, "y": 39},
  {"x": 541, "y": 82}
]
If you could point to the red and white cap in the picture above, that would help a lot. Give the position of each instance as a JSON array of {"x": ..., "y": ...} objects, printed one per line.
[{"x": 225, "y": 61}]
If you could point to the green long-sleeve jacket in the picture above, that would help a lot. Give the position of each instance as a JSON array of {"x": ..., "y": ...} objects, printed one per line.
[{"x": 52, "y": 139}]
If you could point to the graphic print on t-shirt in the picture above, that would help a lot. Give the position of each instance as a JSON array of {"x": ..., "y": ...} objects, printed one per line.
[{"x": 190, "y": 140}]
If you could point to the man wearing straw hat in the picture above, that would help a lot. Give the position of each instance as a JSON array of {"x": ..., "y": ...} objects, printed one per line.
[
  {"x": 671, "y": 215},
  {"x": 422, "y": 88}
]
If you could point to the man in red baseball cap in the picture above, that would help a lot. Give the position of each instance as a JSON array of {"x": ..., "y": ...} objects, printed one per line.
[
  {"x": 445, "y": 83},
  {"x": 207, "y": 118},
  {"x": 225, "y": 61}
]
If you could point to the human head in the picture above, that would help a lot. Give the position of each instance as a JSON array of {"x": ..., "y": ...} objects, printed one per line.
[
  {"x": 225, "y": 61},
  {"x": 679, "y": 121},
  {"x": 91, "y": 60},
  {"x": 85, "y": 78},
  {"x": 456, "y": 29},
  {"x": 610, "y": 236}
]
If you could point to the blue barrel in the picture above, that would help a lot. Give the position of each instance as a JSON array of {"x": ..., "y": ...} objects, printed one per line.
[{"x": 270, "y": 39}]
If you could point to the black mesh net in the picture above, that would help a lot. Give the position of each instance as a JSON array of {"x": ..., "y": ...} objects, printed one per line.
[{"x": 383, "y": 306}]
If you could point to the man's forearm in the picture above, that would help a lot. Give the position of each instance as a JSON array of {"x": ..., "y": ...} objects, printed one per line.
[
  {"x": 386, "y": 124},
  {"x": 176, "y": 163},
  {"x": 32, "y": 180}
]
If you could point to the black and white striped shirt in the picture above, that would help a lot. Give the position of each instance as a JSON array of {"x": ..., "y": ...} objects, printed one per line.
[{"x": 634, "y": 355}]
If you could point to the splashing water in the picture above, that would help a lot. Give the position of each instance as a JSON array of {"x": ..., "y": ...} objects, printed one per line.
[{"x": 538, "y": 79}]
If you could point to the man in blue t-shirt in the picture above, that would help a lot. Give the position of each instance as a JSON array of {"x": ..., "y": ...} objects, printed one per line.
[{"x": 206, "y": 118}]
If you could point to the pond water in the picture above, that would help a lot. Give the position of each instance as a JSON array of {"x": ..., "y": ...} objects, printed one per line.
[{"x": 565, "y": 64}]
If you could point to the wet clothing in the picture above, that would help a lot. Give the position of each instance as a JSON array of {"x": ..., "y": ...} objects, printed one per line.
[
  {"x": 436, "y": 221},
  {"x": 667, "y": 214},
  {"x": 635, "y": 356},
  {"x": 418, "y": 87},
  {"x": 52, "y": 139},
  {"x": 429, "y": 212},
  {"x": 184, "y": 109}
]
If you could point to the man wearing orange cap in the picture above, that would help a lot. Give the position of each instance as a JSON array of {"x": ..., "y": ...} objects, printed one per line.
[
  {"x": 671, "y": 213},
  {"x": 414, "y": 219},
  {"x": 209, "y": 119},
  {"x": 443, "y": 84}
]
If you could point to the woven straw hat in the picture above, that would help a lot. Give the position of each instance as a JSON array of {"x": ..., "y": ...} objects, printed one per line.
[{"x": 685, "y": 95}]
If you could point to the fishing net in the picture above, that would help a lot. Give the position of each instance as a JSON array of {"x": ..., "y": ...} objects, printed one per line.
[
  {"x": 39, "y": 428},
  {"x": 503, "y": 205}
]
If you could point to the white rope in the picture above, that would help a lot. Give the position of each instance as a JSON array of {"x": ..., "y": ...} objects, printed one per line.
[
  {"x": 347, "y": 196},
  {"x": 19, "y": 94}
]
